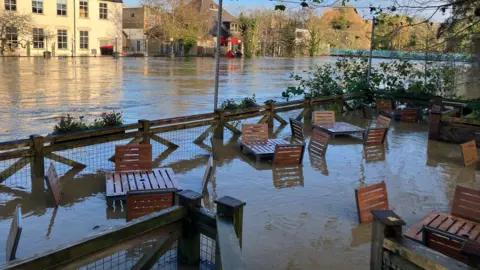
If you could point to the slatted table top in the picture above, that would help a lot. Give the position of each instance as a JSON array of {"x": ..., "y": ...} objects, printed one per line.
[
  {"x": 339, "y": 128},
  {"x": 264, "y": 148},
  {"x": 448, "y": 223},
  {"x": 119, "y": 183}
]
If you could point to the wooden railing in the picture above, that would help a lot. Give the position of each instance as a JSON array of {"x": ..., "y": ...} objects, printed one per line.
[
  {"x": 183, "y": 222},
  {"x": 391, "y": 250}
]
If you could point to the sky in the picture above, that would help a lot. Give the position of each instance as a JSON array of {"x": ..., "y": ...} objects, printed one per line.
[{"x": 236, "y": 6}]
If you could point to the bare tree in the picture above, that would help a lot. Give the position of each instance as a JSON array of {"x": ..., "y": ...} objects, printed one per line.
[
  {"x": 115, "y": 33},
  {"x": 14, "y": 26}
]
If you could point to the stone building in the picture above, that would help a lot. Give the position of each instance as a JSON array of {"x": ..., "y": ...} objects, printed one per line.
[{"x": 66, "y": 27}]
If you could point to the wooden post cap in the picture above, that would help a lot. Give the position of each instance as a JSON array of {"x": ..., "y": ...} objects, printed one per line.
[
  {"x": 230, "y": 202},
  {"x": 188, "y": 194},
  {"x": 388, "y": 217}
]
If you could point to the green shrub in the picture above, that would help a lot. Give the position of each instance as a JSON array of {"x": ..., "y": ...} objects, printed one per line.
[
  {"x": 112, "y": 119},
  {"x": 68, "y": 124},
  {"x": 333, "y": 107},
  {"x": 231, "y": 104}
]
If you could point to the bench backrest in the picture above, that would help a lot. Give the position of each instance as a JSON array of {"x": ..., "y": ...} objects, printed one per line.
[
  {"x": 375, "y": 136},
  {"x": 410, "y": 115},
  {"x": 383, "y": 121},
  {"x": 444, "y": 242},
  {"x": 132, "y": 157},
  {"x": 288, "y": 154},
  {"x": 367, "y": 111},
  {"x": 369, "y": 198},
  {"x": 53, "y": 184},
  {"x": 140, "y": 203},
  {"x": 469, "y": 153},
  {"x": 297, "y": 130},
  {"x": 14, "y": 234},
  {"x": 319, "y": 142},
  {"x": 324, "y": 117},
  {"x": 383, "y": 104},
  {"x": 208, "y": 173},
  {"x": 254, "y": 132},
  {"x": 466, "y": 203}
]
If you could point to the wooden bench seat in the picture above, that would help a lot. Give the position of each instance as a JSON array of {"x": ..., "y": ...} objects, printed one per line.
[
  {"x": 323, "y": 117},
  {"x": 297, "y": 130}
]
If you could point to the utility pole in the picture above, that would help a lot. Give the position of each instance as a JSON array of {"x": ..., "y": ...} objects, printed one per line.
[
  {"x": 217, "y": 53},
  {"x": 369, "y": 71}
]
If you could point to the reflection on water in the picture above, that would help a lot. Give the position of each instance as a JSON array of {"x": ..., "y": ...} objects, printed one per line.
[{"x": 303, "y": 218}]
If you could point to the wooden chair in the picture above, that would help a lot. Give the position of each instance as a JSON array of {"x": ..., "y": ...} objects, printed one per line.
[
  {"x": 369, "y": 198},
  {"x": 208, "y": 173},
  {"x": 254, "y": 132},
  {"x": 324, "y": 117},
  {"x": 142, "y": 203},
  {"x": 383, "y": 121},
  {"x": 466, "y": 204},
  {"x": 444, "y": 242},
  {"x": 319, "y": 142},
  {"x": 375, "y": 136},
  {"x": 133, "y": 157},
  {"x": 383, "y": 105},
  {"x": 14, "y": 234},
  {"x": 53, "y": 184},
  {"x": 367, "y": 111},
  {"x": 288, "y": 176},
  {"x": 297, "y": 130},
  {"x": 410, "y": 115},
  {"x": 288, "y": 154},
  {"x": 469, "y": 153},
  {"x": 374, "y": 153}
]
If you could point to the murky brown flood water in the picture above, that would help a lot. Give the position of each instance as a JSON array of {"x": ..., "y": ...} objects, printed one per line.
[{"x": 307, "y": 223}]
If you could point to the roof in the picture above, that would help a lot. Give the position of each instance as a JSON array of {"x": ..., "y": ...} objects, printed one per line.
[
  {"x": 114, "y": 1},
  {"x": 212, "y": 7}
]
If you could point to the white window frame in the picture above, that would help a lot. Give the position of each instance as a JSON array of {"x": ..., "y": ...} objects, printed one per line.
[
  {"x": 12, "y": 37},
  {"x": 84, "y": 40},
  {"x": 37, "y": 6},
  {"x": 11, "y": 5},
  {"x": 38, "y": 38},
  {"x": 62, "y": 39},
  {"x": 103, "y": 11},
  {"x": 62, "y": 7},
  {"x": 83, "y": 5}
]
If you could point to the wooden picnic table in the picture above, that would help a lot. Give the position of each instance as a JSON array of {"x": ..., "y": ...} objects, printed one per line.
[
  {"x": 261, "y": 148},
  {"x": 448, "y": 223},
  {"x": 120, "y": 182},
  {"x": 339, "y": 128}
]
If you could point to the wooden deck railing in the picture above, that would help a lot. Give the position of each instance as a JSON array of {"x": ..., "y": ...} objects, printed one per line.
[{"x": 183, "y": 223}]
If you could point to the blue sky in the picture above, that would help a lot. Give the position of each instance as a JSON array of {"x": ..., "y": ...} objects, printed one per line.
[{"x": 236, "y": 6}]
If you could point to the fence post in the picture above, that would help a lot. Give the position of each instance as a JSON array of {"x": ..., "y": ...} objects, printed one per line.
[
  {"x": 189, "y": 242},
  {"x": 308, "y": 104},
  {"x": 271, "y": 109},
  {"x": 434, "y": 125},
  {"x": 145, "y": 130},
  {"x": 233, "y": 209},
  {"x": 385, "y": 224},
  {"x": 38, "y": 158},
  {"x": 218, "y": 132}
]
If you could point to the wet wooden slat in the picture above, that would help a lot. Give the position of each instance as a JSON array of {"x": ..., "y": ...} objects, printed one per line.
[
  {"x": 109, "y": 185},
  {"x": 173, "y": 178},
  {"x": 415, "y": 232},
  {"x": 138, "y": 180},
  {"x": 167, "y": 180},
  {"x": 131, "y": 180},
  {"x": 159, "y": 178}
]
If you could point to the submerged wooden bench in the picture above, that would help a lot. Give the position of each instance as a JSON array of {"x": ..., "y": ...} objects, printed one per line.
[
  {"x": 463, "y": 221},
  {"x": 373, "y": 197},
  {"x": 339, "y": 128},
  {"x": 120, "y": 183}
]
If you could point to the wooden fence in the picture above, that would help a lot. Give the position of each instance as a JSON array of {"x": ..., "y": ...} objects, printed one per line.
[{"x": 182, "y": 223}]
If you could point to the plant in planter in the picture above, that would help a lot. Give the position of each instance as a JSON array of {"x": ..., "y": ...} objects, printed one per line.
[
  {"x": 112, "y": 119},
  {"x": 69, "y": 124},
  {"x": 474, "y": 105},
  {"x": 231, "y": 104}
]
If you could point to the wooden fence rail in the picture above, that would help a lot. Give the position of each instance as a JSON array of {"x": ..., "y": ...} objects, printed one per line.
[{"x": 183, "y": 223}]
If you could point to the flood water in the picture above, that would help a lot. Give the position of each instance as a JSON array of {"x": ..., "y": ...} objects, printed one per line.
[{"x": 308, "y": 221}]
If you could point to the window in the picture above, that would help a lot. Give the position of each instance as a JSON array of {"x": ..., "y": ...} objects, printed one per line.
[
  {"x": 38, "y": 37},
  {"x": 12, "y": 37},
  {"x": 84, "y": 40},
  {"x": 37, "y": 6},
  {"x": 11, "y": 5},
  {"x": 133, "y": 15},
  {"x": 62, "y": 39},
  {"x": 84, "y": 9},
  {"x": 234, "y": 27},
  {"x": 62, "y": 7},
  {"x": 103, "y": 10}
]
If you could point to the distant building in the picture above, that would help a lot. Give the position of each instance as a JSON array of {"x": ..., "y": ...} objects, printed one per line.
[
  {"x": 66, "y": 27},
  {"x": 136, "y": 22}
]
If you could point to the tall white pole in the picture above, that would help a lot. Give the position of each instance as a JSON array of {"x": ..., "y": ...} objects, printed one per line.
[
  {"x": 371, "y": 51},
  {"x": 217, "y": 53}
]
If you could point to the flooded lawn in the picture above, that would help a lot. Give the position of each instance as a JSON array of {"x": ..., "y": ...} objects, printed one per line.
[{"x": 306, "y": 222}]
